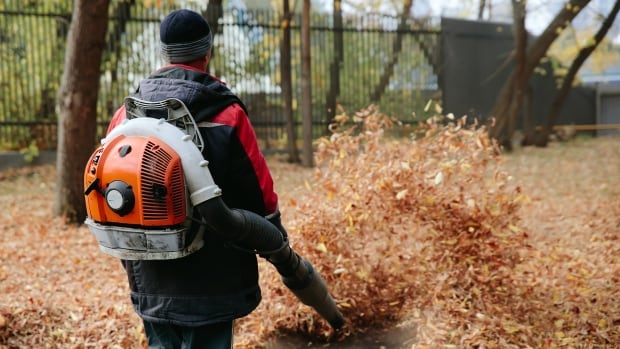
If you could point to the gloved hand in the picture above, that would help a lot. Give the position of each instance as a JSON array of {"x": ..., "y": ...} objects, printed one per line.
[
  {"x": 285, "y": 259},
  {"x": 275, "y": 219}
]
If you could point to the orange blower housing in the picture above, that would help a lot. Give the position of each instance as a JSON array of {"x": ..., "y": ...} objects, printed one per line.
[
  {"x": 139, "y": 181},
  {"x": 137, "y": 200}
]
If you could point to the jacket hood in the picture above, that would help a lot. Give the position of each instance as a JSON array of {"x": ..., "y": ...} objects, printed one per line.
[{"x": 204, "y": 95}]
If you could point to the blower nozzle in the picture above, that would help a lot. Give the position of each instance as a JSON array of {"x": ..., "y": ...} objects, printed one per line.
[
  {"x": 310, "y": 288},
  {"x": 307, "y": 285}
]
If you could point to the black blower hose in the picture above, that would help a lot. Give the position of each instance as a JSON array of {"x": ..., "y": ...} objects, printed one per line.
[
  {"x": 251, "y": 231},
  {"x": 307, "y": 285}
]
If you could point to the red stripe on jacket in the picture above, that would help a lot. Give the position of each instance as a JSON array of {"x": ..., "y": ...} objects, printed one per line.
[{"x": 235, "y": 117}]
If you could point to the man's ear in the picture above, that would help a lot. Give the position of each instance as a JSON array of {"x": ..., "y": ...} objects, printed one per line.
[{"x": 207, "y": 59}]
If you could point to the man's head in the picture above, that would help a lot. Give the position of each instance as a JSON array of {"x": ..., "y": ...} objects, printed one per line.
[{"x": 185, "y": 37}]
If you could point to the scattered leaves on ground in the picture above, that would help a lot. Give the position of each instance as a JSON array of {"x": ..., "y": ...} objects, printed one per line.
[{"x": 474, "y": 248}]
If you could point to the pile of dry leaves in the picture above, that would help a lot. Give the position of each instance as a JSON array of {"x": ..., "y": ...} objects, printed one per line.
[{"x": 429, "y": 230}]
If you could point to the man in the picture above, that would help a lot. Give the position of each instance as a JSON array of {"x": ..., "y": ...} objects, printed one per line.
[{"x": 192, "y": 302}]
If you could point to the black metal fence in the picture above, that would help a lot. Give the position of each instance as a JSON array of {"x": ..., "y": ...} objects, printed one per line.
[{"x": 246, "y": 56}]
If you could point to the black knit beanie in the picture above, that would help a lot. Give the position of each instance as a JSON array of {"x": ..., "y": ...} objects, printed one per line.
[{"x": 185, "y": 36}]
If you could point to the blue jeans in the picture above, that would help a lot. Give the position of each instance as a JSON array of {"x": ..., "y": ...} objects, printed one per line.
[{"x": 215, "y": 336}]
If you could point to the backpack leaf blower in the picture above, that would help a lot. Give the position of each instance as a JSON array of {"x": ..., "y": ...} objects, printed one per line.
[{"x": 148, "y": 175}]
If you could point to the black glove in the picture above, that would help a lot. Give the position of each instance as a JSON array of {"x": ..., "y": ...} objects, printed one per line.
[{"x": 275, "y": 219}]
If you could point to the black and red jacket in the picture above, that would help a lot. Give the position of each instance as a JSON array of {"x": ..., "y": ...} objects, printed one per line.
[{"x": 218, "y": 282}]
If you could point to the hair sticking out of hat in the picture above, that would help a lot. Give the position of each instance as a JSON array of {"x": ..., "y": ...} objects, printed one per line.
[{"x": 185, "y": 36}]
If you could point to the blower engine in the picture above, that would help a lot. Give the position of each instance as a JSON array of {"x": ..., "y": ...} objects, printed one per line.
[{"x": 149, "y": 175}]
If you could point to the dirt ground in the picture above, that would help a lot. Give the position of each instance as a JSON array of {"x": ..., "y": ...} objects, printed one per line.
[{"x": 401, "y": 336}]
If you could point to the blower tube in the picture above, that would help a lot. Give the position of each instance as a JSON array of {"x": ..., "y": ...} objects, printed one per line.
[
  {"x": 241, "y": 227},
  {"x": 254, "y": 232}
]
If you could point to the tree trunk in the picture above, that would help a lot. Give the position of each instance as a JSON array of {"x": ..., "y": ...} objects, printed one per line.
[
  {"x": 336, "y": 65},
  {"x": 397, "y": 46},
  {"x": 510, "y": 99},
  {"x": 213, "y": 14},
  {"x": 77, "y": 102},
  {"x": 287, "y": 83},
  {"x": 481, "y": 5},
  {"x": 528, "y": 117},
  {"x": 46, "y": 110},
  {"x": 306, "y": 87},
  {"x": 543, "y": 138},
  {"x": 121, "y": 14}
]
